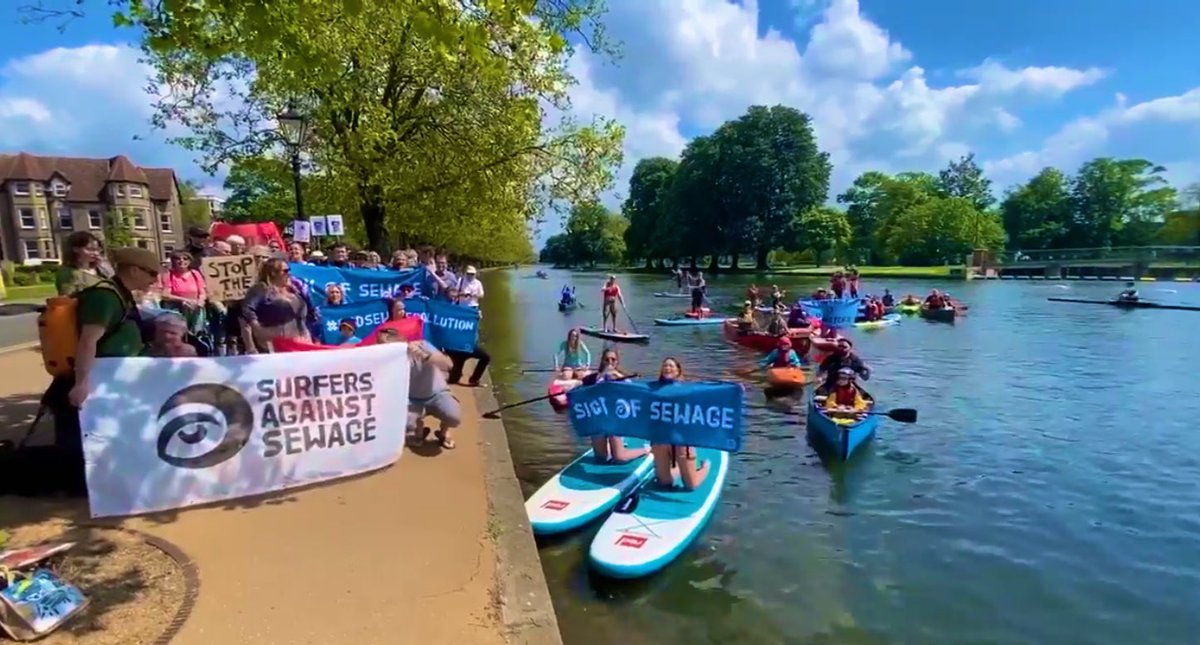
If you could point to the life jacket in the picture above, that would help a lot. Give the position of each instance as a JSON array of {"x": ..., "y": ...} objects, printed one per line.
[
  {"x": 781, "y": 358},
  {"x": 58, "y": 328},
  {"x": 845, "y": 395}
]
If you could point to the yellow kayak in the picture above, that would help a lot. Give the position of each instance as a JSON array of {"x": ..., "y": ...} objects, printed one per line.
[{"x": 908, "y": 309}]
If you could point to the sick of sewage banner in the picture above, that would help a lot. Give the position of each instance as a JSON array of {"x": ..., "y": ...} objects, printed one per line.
[
  {"x": 360, "y": 285},
  {"x": 162, "y": 434},
  {"x": 704, "y": 415},
  {"x": 838, "y": 314},
  {"x": 447, "y": 326}
]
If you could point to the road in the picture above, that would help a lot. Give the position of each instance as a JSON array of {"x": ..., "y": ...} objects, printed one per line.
[{"x": 17, "y": 329}]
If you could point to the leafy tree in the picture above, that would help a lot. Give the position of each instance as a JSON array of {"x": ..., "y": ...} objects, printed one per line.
[
  {"x": 193, "y": 211},
  {"x": 942, "y": 230},
  {"x": 964, "y": 178},
  {"x": 117, "y": 229},
  {"x": 696, "y": 220},
  {"x": 821, "y": 229},
  {"x": 898, "y": 195},
  {"x": 595, "y": 235},
  {"x": 648, "y": 206},
  {"x": 557, "y": 250},
  {"x": 863, "y": 211},
  {"x": 1118, "y": 202},
  {"x": 1037, "y": 215}
]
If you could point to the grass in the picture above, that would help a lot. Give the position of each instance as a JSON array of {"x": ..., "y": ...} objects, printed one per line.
[
  {"x": 873, "y": 271},
  {"x": 37, "y": 292}
]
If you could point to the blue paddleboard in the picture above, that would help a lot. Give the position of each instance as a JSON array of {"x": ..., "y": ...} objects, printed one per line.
[{"x": 585, "y": 490}]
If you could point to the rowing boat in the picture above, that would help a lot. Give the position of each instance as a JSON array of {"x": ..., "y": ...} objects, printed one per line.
[
  {"x": 940, "y": 315},
  {"x": 1128, "y": 304},
  {"x": 615, "y": 336},
  {"x": 759, "y": 340},
  {"x": 843, "y": 436}
]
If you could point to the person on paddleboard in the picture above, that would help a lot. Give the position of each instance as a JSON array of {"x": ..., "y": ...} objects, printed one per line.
[
  {"x": 677, "y": 273},
  {"x": 1130, "y": 293},
  {"x": 782, "y": 356},
  {"x": 573, "y": 354},
  {"x": 846, "y": 399},
  {"x": 609, "y": 447},
  {"x": 837, "y": 284},
  {"x": 753, "y": 295},
  {"x": 611, "y": 293},
  {"x": 698, "y": 286},
  {"x": 842, "y": 356},
  {"x": 852, "y": 282},
  {"x": 676, "y": 460}
]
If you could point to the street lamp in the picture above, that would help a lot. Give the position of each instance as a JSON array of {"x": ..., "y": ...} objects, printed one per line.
[{"x": 294, "y": 126}]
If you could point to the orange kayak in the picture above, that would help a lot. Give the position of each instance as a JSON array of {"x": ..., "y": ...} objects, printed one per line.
[{"x": 786, "y": 377}]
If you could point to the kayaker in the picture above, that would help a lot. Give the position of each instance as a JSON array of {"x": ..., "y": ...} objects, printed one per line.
[
  {"x": 888, "y": 300},
  {"x": 673, "y": 459},
  {"x": 745, "y": 319},
  {"x": 1130, "y": 293},
  {"x": 778, "y": 325},
  {"x": 776, "y": 296},
  {"x": 837, "y": 284},
  {"x": 698, "y": 286},
  {"x": 567, "y": 295},
  {"x": 820, "y": 294},
  {"x": 845, "y": 399},
  {"x": 934, "y": 300},
  {"x": 611, "y": 293},
  {"x": 573, "y": 353},
  {"x": 753, "y": 296},
  {"x": 782, "y": 356},
  {"x": 842, "y": 356},
  {"x": 910, "y": 300},
  {"x": 797, "y": 317},
  {"x": 852, "y": 282},
  {"x": 608, "y": 447}
]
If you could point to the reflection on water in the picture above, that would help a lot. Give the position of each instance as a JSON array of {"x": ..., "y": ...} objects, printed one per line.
[{"x": 1049, "y": 493}]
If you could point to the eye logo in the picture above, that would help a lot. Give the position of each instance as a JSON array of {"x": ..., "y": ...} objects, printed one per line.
[
  {"x": 623, "y": 410},
  {"x": 206, "y": 415}
]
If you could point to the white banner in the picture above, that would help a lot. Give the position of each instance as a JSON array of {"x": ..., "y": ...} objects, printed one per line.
[{"x": 166, "y": 433}]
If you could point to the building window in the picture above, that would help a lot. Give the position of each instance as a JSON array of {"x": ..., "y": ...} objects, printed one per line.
[
  {"x": 37, "y": 189},
  {"x": 65, "y": 220},
  {"x": 27, "y": 219},
  {"x": 32, "y": 252},
  {"x": 168, "y": 249},
  {"x": 164, "y": 221},
  {"x": 95, "y": 219},
  {"x": 143, "y": 244},
  {"x": 60, "y": 189},
  {"x": 42, "y": 218},
  {"x": 135, "y": 191},
  {"x": 48, "y": 248},
  {"x": 139, "y": 218},
  {"x": 21, "y": 188},
  {"x": 120, "y": 190}
]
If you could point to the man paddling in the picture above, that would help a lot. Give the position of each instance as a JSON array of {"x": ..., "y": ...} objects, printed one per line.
[
  {"x": 841, "y": 357},
  {"x": 1130, "y": 293}
]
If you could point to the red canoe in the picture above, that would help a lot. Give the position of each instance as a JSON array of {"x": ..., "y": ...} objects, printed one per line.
[{"x": 761, "y": 341}]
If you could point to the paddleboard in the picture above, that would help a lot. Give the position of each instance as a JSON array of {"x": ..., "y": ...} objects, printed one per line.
[
  {"x": 585, "y": 490},
  {"x": 887, "y": 321},
  {"x": 684, "y": 322},
  {"x": 620, "y": 337},
  {"x": 659, "y": 523},
  {"x": 663, "y": 294}
]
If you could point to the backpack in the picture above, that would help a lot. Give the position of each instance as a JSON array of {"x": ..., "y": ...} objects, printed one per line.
[{"x": 58, "y": 328}]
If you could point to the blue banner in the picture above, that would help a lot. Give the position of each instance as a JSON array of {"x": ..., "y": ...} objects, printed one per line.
[
  {"x": 360, "y": 285},
  {"x": 704, "y": 415},
  {"x": 838, "y": 314},
  {"x": 366, "y": 315},
  {"x": 447, "y": 326}
]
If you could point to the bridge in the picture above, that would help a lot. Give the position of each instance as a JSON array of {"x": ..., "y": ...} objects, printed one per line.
[{"x": 1164, "y": 262}]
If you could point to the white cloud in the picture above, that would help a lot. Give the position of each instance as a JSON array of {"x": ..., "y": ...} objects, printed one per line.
[
  {"x": 1040, "y": 81},
  {"x": 18, "y": 108},
  {"x": 1007, "y": 121}
]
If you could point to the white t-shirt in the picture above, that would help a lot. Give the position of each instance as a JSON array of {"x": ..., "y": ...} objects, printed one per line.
[{"x": 470, "y": 290}]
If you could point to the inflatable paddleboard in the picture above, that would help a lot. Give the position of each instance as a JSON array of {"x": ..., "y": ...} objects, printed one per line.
[
  {"x": 620, "y": 337},
  {"x": 585, "y": 490},
  {"x": 683, "y": 322},
  {"x": 886, "y": 321},
  {"x": 663, "y": 294},
  {"x": 659, "y": 523}
]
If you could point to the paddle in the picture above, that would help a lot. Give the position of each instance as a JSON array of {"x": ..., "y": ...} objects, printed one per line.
[
  {"x": 629, "y": 317},
  {"x": 495, "y": 414},
  {"x": 903, "y": 415},
  {"x": 547, "y": 370}
]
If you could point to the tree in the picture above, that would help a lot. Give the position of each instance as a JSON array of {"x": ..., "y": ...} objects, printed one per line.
[
  {"x": 964, "y": 178},
  {"x": 557, "y": 250},
  {"x": 864, "y": 213},
  {"x": 942, "y": 230},
  {"x": 1118, "y": 202},
  {"x": 594, "y": 235},
  {"x": 647, "y": 206},
  {"x": 821, "y": 228},
  {"x": 696, "y": 222},
  {"x": 260, "y": 189},
  {"x": 117, "y": 231},
  {"x": 193, "y": 211},
  {"x": 1037, "y": 215}
]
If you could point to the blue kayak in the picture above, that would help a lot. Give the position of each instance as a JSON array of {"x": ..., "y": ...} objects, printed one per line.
[
  {"x": 684, "y": 322},
  {"x": 841, "y": 438},
  {"x": 652, "y": 528},
  {"x": 585, "y": 490}
]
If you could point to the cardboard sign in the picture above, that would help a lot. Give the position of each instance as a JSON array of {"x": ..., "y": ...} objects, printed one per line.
[
  {"x": 229, "y": 277},
  {"x": 334, "y": 225},
  {"x": 301, "y": 231},
  {"x": 317, "y": 224}
]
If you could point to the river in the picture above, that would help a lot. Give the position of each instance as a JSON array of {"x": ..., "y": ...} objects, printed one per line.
[{"x": 1050, "y": 492}]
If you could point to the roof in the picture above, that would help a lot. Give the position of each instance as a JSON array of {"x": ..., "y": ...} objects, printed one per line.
[{"x": 88, "y": 177}]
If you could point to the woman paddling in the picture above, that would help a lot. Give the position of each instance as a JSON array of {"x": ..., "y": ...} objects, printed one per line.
[
  {"x": 670, "y": 459},
  {"x": 611, "y": 293},
  {"x": 608, "y": 447}
]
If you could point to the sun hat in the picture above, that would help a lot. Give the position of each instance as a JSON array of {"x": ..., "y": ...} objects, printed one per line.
[{"x": 470, "y": 270}]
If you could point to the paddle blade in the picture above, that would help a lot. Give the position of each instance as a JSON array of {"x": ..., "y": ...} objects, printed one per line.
[
  {"x": 494, "y": 414},
  {"x": 903, "y": 415}
]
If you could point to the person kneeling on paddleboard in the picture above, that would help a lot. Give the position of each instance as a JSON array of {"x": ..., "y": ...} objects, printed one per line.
[
  {"x": 573, "y": 355},
  {"x": 846, "y": 399},
  {"x": 782, "y": 356},
  {"x": 671, "y": 460},
  {"x": 608, "y": 447}
]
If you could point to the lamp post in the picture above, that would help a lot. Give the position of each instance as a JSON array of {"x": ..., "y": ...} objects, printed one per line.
[{"x": 294, "y": 126}]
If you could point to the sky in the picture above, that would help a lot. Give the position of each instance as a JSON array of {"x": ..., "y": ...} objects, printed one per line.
[{"x": 891, "y": 85}]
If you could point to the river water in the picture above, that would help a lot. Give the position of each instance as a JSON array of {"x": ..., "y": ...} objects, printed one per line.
[{"x": 1050, "y": 492}]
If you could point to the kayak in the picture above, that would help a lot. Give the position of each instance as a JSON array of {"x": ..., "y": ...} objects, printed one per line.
[
  {"x": 843, "y": 436},
  {"x": 558, "y": 396},
  {"x": 825, "y": 345},
  {"x": 789, "y": 377},
  {"x": 940, "y": 315},
  {"x": 704, "y": 311},
  {"x": 568, "y": 306},
  {"x": 663, "y": 294},
  {"x": 1128, "y": 304},
  {"x": 618, "y": 337},
  {"x": 908, "y": 309},
  {"x": 688, "y": 322},
  {"x": 658, "y": 522},
  {"x": 759, "y": 340},
  {"x": 886, "y": 321},
  {"x": 585, "y": 490}
]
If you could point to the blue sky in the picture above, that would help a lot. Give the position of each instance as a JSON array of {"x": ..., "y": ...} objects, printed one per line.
[{"x": 893, "y": 85}]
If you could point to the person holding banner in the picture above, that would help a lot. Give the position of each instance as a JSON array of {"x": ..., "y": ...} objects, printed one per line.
[
  {"x": 670, "y": 460},
  {"x": 429, "y": 394},
  {"x": 273, "y": 308},
  {"x": 608, "y": 447}
]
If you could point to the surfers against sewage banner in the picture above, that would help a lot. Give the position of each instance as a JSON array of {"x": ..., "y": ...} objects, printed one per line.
[
  {"x": 705, "y": 415},
  {"x": 167, "y": 433}
]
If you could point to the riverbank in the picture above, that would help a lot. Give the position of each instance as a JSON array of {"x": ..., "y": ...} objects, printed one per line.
[
  {"x": 916, "y": 273},
  {"x": 435, "y": 548}
]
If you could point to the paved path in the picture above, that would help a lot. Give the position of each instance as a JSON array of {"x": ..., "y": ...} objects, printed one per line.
[
  {"x": 18, "y": 329},
  {"x": 404, "y": 555}
]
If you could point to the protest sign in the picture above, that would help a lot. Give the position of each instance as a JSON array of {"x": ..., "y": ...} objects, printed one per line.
[
  {"x": 359, "y": 285},
  {"x": 301, "y": 231},
  {"x": 366, "y": 316},
  {"x": 838, "y": 314},
  {"x": 447, "y": 326},
  {"x": 228, "y": 277},
  {"x": 699, "y": 414},
  {"x": 163, "y": 434},
  {"x": 333, "y": 224},
  {"x": 317, "y": 223}
]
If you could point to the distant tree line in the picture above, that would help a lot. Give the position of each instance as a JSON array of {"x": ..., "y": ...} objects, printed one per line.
[{"x": 760, "y": 184}]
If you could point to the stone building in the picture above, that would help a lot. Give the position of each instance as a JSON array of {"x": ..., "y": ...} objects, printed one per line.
[{"x": 45, "y": 199}]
